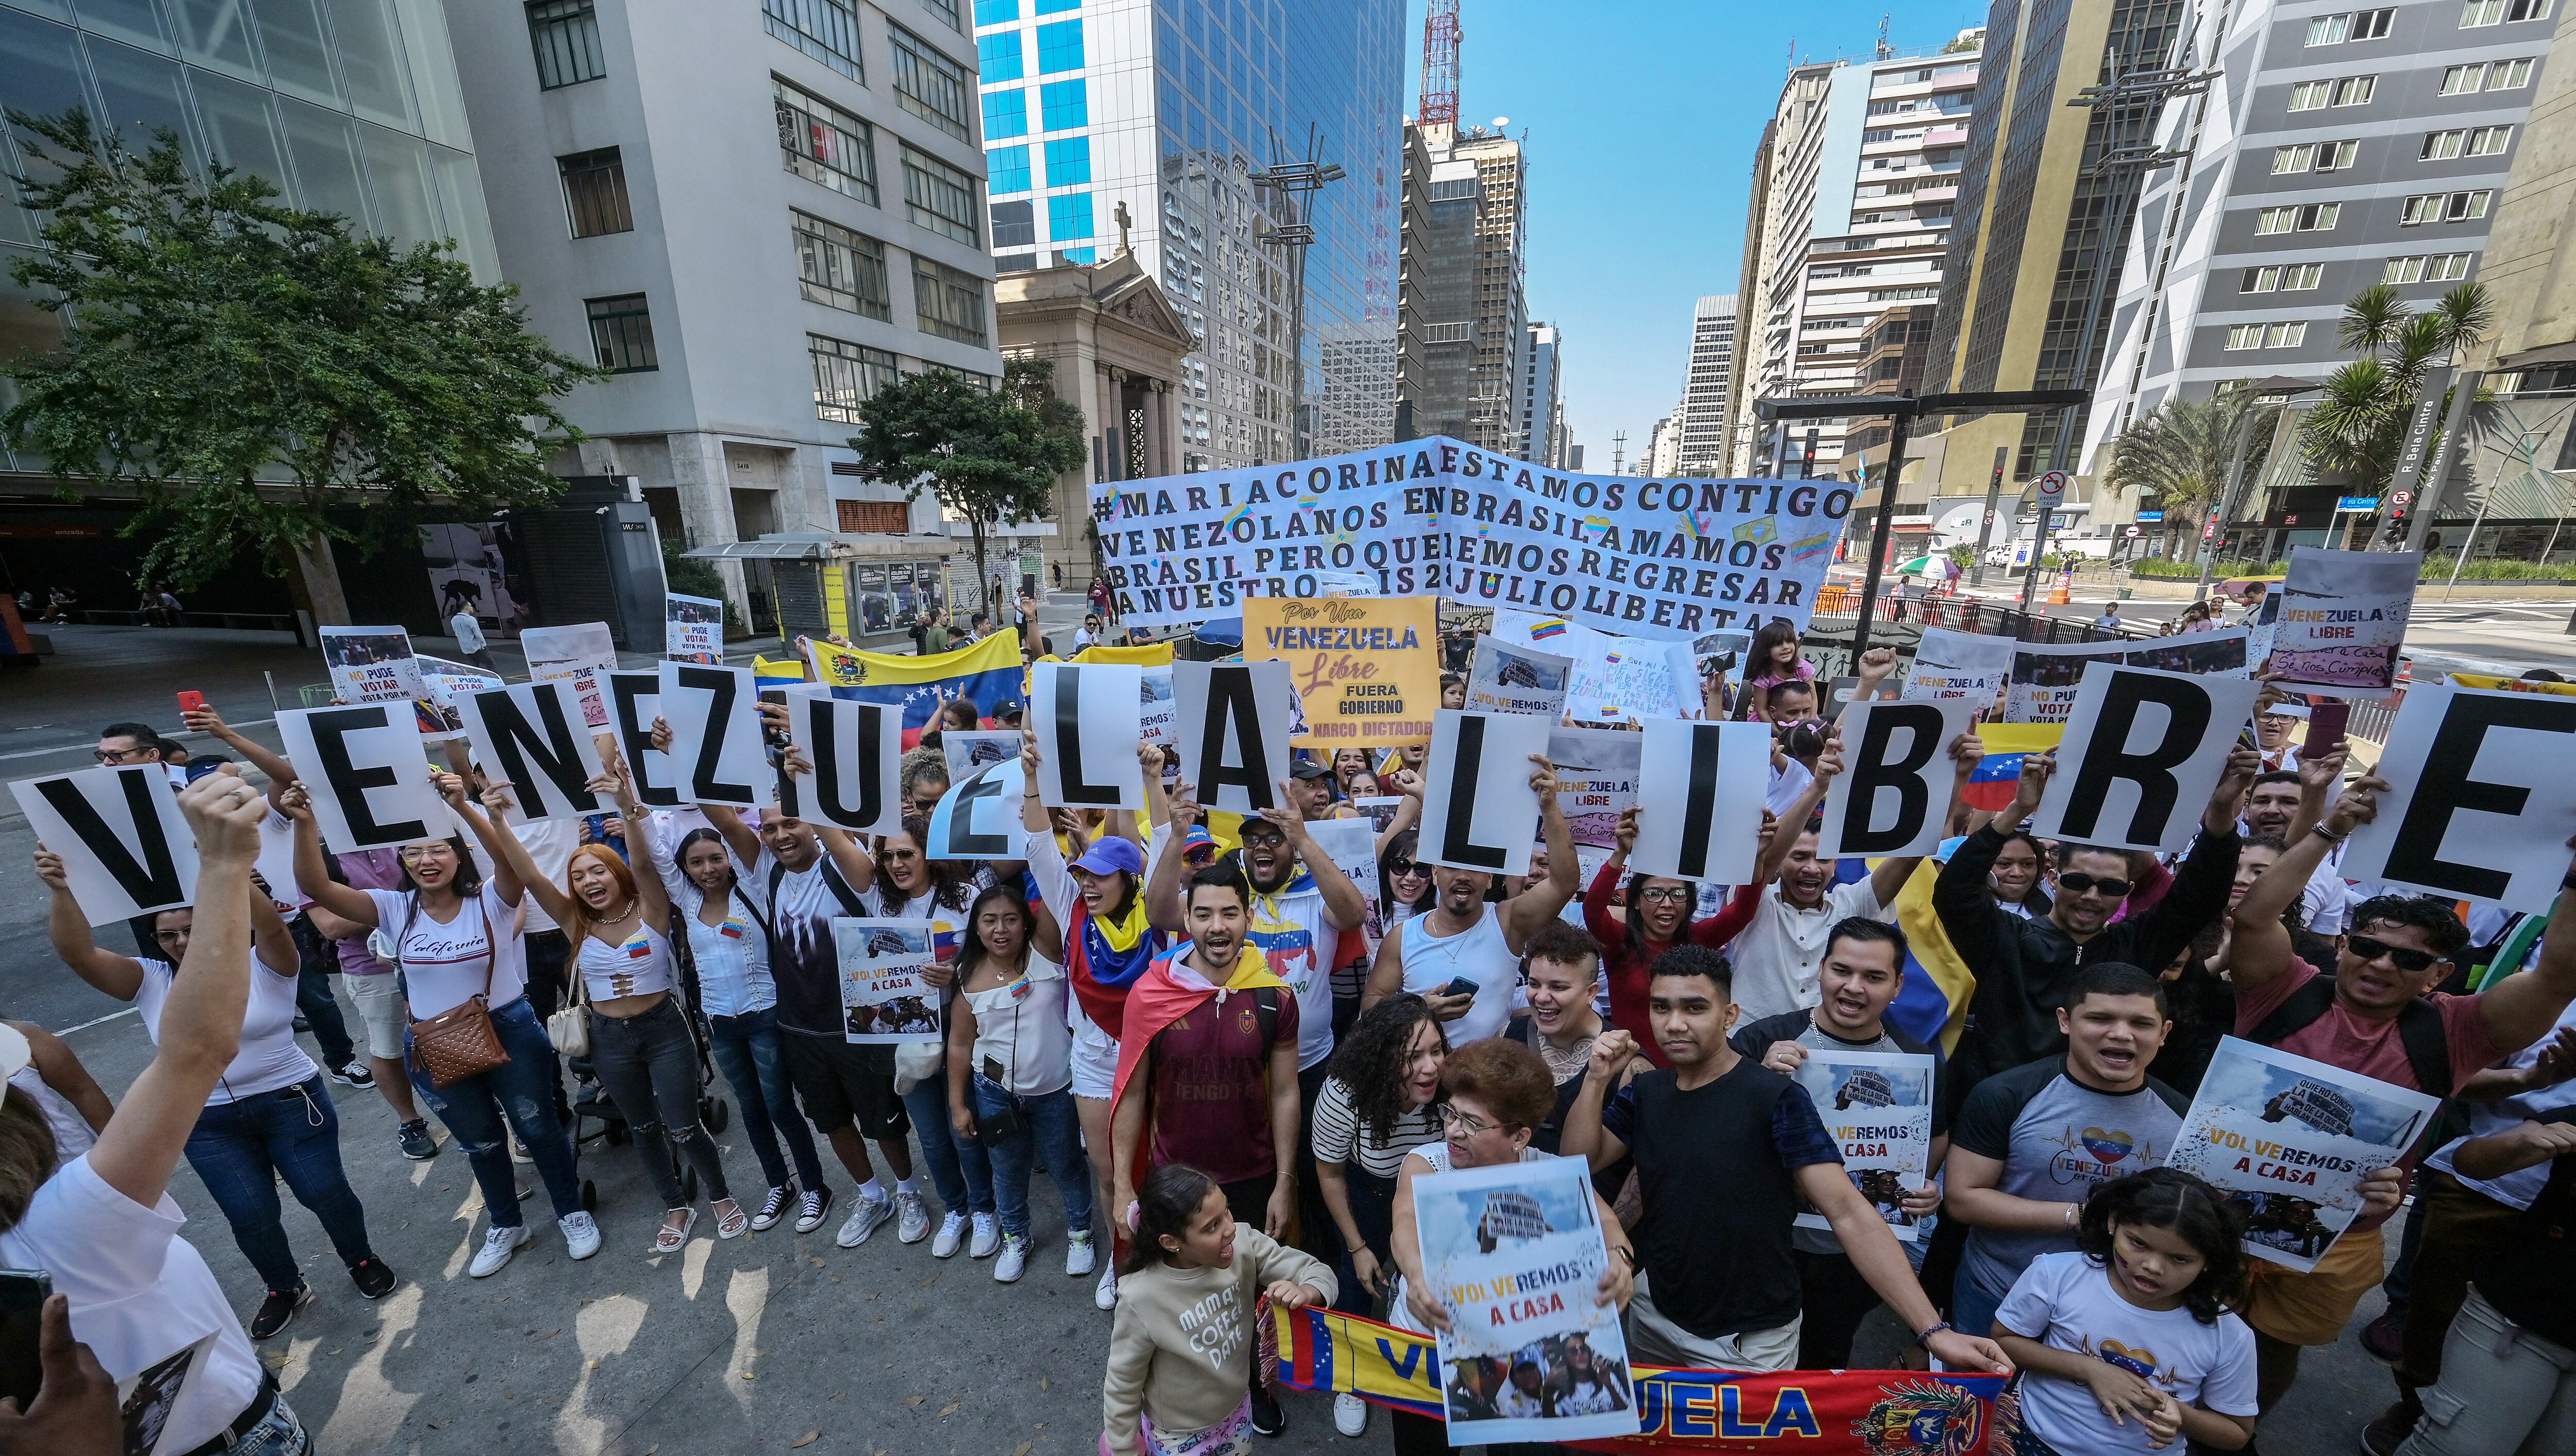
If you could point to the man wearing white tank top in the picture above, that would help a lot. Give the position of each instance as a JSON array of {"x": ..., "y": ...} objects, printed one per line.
[{"x": 1471, "y": 945}]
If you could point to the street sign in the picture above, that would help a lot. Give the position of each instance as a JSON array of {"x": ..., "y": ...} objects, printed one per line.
[
  {"x": 2401, "y": 499},
  {"x": 2357, "y": 503},
  {"x": 2134, "y": 531},
  {"x": 2052, "y": 488},
  {"x": 2151, "y": 515}
]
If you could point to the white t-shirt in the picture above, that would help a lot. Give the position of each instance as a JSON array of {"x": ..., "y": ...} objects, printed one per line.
[
  {"x": 269, "y": 1058},
  {"x": 2066, "y": 1303},
  {"x": 72, "y": 1135},
  {"x": 139, "y": 1294},
  {"x": 444, "y": 966},
  {"x": 467, "y": 631},
  {"x": 1299, "y": 944},
  {"x": 1777, "y": 956}
]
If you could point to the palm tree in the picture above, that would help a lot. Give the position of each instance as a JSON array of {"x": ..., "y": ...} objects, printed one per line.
[
  {"x": 2358, "y": 425},
  {"x": 2181, "y": 450}
]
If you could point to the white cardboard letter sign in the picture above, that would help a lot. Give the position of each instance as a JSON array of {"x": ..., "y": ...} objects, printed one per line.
[
  {"x": 2142, "y": 753},
  {"x": 126, "y": 849},
  {"x": 1478, "y": 809},
  {"x": 1703, "y": 819},
  {"x": 1089, "y": 721},
  {"x": 368, "y": 774},
  {"x": 716, "y": 753},
  {"x": 1894, "y": 794},
  {"x": 532, "y": 736},
  {"x": 857, "y": 753},
  {"x": 2480, "y": 804},
  {"x": 1233, "y": 731}
]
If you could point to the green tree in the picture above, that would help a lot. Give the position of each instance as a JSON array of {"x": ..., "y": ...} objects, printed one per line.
[
  {"x": 2181, "y": 450},
  {"x": 259, "y": 370},
  {"x": 989, "y": 456},
  {"x": 2357, "y": 427}
]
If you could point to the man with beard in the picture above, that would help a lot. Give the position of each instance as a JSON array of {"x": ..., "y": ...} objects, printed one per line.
[
  {"x": 1864, "y": 967},
  {"x": 2023, "y": 966},
  {"x": 2377, "y": 1015},
  {"x": 1207, "y": 1073},
  {"x": 1463, "y": 956},
  {"x": 1302, "y": 905}
]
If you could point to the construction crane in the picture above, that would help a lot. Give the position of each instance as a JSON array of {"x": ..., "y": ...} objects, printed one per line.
[{"x": 1440, "y": 38}]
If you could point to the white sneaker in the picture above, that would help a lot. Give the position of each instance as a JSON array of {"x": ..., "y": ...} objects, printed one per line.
[
  {"x": 952, "y": 1232},
  {"x": 988, "y": 1237},
  {"x": 912, "y": 1221},
  {"x": 581, "y": 1234},
  {"x": 1350, "y": 1414},
  {"x": 498, "y": 1245},
  {"x": 863, "y": 1221},
  {"x": 1079, "y": 1256},
  {"x": 1014, "y": 1260},
  {"x": 1105, "y": 1293}
]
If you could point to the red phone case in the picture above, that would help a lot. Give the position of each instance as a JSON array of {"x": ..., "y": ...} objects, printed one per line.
[{"x": 192, "y": 701}]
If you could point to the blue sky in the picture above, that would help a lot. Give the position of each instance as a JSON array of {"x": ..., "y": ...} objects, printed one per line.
[{"x": 1641, "y": 117}]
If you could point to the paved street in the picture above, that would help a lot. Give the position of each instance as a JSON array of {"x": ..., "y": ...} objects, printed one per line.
[{"x": 727, "y": 1347}]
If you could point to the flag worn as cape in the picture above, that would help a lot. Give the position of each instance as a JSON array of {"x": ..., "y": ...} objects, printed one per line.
[
  {"x": 1933, "y": 1002},
  {"x": 1160, "y": 998},
  {"x": 985, "y": 673}
]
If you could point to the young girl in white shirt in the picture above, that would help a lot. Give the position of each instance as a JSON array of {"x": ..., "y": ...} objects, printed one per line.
[{"x": 2127, "y": 1345}]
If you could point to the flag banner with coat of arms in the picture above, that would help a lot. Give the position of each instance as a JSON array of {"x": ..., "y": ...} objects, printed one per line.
[
  {"x": 986, "y": 673},
  {"x": 1821, "y": 1412}
]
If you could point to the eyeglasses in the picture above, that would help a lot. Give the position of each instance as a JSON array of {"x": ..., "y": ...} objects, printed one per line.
[
  {"x": 2411, "y": 961},
  {"x": 1466, "y": 1122},
  {"x": 117, "y": 755},
  {"x": 1273, "y": 838},
  {"x": 2079, "y": 882},
  {"x": 1674, "y": 894}
]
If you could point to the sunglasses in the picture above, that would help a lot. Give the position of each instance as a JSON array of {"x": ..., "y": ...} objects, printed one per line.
[
  {"x": 1401, "y": 867},
  {"x": 2410, "y": 961},
  {"x": 2079, "y": 882}
]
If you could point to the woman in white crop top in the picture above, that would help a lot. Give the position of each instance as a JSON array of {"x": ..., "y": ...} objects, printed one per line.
[
  {"x": 1010, "y": 1060},
  {"x": 74, "y": 1106},
  {"x": 619, "y": 924},
  {"x": 729, "y": 945},
  {"x": 269, "y": 1115}
]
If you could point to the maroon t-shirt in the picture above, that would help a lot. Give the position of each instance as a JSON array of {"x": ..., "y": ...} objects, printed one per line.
[{"x": 1212, "y": 1087}]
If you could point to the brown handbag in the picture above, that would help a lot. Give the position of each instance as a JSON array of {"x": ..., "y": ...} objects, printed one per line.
[{"x": 459, "y": 1042}]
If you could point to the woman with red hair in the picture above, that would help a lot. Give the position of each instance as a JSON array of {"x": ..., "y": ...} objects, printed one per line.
[{"x": 641, "y": 1046}]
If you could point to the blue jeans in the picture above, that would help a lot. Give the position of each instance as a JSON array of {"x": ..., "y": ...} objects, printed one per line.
[
  {"x": 241, "y": 1149},
  {"x": 961, "y": 1173},
  {"x": 748, "y": 1051},
  {"x": 481, "y": 1111},
  {"x": 1051, "y": 1134},
  {"x": 1972, "y": 1310},
  {"x": 281, "y": 1434}
]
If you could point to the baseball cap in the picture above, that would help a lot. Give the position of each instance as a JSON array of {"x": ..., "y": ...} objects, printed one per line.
[
  {"x": 1307, "y": 768},
  {"x": 1007, "y": 710},
  {"x": 1198, "y": 847},
  {"x": 1111, "y": 855}
]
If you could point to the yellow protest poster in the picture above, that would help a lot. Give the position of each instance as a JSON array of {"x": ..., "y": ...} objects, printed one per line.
[{"x": 1367, "y": 668}]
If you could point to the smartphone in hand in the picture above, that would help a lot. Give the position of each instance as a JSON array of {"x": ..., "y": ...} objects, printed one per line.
[
  {"x": 23, "y": 1293},
  {"x": 2325, "y": 729},
  {"x": 1463, "y": 986},
  {"x": 192, "y": 701}
]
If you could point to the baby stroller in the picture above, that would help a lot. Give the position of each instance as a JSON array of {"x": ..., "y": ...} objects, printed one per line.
[{"x": 592, "y": 1104}]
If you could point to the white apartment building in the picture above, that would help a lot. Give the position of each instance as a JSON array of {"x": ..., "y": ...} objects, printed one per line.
[
  {"x": 1701, "y": 433},
  {"x": 755, "y": 215},
  {"x": 1863, "y": 182}
]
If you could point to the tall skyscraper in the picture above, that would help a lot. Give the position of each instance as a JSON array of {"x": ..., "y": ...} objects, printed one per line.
[
  {"x": 1441, "y": 242},
  {"x": 1701, "y": 433},
  {"x": 1168, "y": 109},
  {"x": 1864, "y": 163},
  {"x": 751, "y": 266},
  {"x": 1502, "y": 300},
  {"x": 2333, "y": 152},
  {"x": 2035, "y": 223},
  {"x": 1542, "y": 401}
]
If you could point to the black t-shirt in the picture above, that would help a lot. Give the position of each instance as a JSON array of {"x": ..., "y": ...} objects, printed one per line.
[
  {"x": 2532, "y": 1279},
  {"x": 1754, "y": 1038}
]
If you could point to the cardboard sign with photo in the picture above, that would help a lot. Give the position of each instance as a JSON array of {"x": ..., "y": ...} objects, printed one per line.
[{"x": 886, "y": 995}]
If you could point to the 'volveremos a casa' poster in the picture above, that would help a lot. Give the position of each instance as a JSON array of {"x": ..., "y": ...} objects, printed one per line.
[
  {"x": 2290, "y": 1140},
  {"x": 1515, "y": 1254}
]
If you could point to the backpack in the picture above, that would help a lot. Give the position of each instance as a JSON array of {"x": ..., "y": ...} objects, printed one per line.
[{"x": 2419, "y": 1029}]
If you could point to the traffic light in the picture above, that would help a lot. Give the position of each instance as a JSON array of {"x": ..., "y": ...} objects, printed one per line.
[{"x": 2395, "y": 531}]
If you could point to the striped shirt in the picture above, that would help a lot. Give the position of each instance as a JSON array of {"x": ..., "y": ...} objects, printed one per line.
[{"x": 1340, "y": 1138}]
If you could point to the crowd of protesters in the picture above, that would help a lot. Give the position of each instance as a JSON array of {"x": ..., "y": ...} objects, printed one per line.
[{"x": 1232, "y": 1060}]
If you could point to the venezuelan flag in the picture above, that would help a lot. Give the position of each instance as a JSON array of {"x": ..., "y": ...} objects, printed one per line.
[
  {"x": 1998, "y": 774},
  {"x": 986, "y": 673},
  {"x": 1152, "y": 654},
  {"x": 1933, "y": 1002},
  {"x": 768, "y": 674}
]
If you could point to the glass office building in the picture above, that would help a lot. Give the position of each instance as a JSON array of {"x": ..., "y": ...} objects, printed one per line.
[
  {"x": 349, "y": 106},
  {"x": 1168, "y": 107}
]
